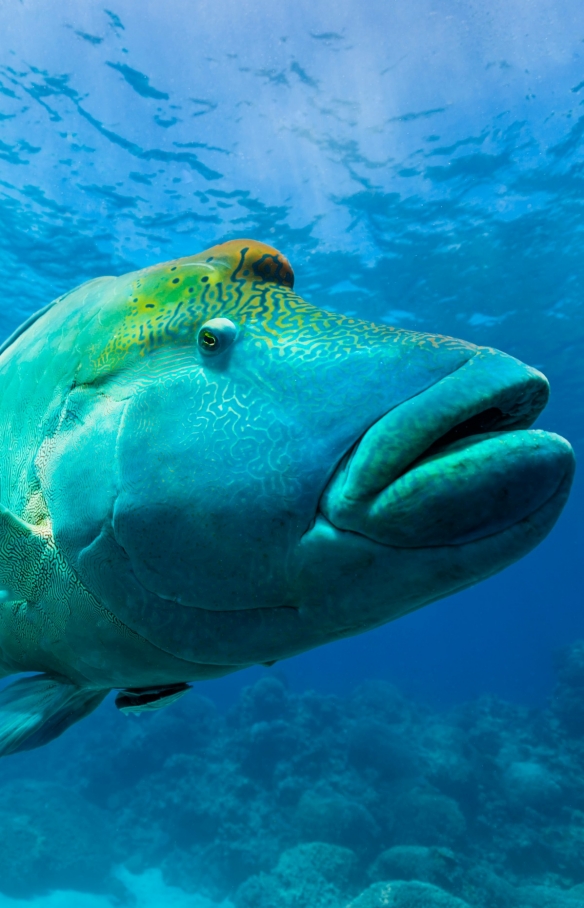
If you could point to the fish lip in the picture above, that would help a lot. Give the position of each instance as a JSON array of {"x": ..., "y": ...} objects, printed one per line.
[{"x": 491, "y": 392}]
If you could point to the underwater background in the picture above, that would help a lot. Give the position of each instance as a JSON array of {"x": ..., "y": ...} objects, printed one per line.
[{"x": 420, "y": 163}]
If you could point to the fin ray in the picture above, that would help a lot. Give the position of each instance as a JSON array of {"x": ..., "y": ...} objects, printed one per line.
[{"x": 37, "y": 709}]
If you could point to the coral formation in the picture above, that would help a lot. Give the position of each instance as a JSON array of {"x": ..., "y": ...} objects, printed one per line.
[
  {"x": 52, "y": 838},
  {"x": 311, "y": 801}
]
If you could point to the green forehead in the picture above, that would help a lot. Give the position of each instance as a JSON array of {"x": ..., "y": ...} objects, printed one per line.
[
  {"x": 243, "y": 280},
  {"x": 235, "y": 268},
  {"x": 167, "y": 304}
]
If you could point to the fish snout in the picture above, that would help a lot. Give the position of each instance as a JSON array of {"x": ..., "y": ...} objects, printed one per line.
[{"x": 455, "y": 463}]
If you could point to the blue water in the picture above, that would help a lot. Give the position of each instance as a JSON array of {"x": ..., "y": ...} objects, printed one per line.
[{"x": 420, "y": 163}]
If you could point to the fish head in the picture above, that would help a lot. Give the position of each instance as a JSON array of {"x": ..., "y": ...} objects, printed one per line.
[{"x": 274, "y": 476}]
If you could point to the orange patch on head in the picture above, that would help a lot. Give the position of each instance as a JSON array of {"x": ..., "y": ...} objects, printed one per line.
[
  {"x": 167, "y": 303},
  {"x": 249, "y": 260}
]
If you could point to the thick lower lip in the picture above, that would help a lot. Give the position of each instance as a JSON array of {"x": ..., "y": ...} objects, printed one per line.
[{"x": 454, "y": 463}]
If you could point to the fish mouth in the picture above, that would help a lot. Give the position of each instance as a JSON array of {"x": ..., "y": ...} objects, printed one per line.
[{"x": 455, "y": 463}]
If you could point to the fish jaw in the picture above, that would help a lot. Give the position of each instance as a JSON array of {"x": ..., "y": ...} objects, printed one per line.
[
  {"x": 356, "y": 584},
  {"x": 454, "y": 464}
]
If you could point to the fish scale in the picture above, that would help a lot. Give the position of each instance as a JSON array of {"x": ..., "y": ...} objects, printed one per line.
[{"x": 202, "y": 471}]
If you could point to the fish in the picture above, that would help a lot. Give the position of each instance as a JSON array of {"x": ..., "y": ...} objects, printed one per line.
[{"x": 201, "y": 471}]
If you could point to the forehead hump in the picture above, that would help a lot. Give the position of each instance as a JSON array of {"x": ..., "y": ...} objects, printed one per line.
[
  {"x": 166, "y": 304},
  {"x": 236, "y": 268}
]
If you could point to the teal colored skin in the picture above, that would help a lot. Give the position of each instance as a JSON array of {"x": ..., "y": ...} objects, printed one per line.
[{"x": 172, "y": 513}]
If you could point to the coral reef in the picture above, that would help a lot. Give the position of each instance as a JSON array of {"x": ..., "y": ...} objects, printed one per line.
[
  {"x": 51, "y": 838},
  {"x": 311, "y": 801}
]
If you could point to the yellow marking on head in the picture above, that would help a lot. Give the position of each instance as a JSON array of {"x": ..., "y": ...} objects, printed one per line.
[
  {"x": 167, "y": 303},
  {"x": 246, "y": 281}
]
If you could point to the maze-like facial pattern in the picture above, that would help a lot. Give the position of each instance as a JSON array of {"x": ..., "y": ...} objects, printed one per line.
[
  {"x": 245, "y": 281},
  {"x": 179, "y": 487}
]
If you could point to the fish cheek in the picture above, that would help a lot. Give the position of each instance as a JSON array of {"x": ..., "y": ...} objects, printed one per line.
[
  {"x": 198, "y": 507},
  {"x": 77, "y": 470}
]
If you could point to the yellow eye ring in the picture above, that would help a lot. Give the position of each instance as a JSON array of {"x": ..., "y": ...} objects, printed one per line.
[
  {"x": 216, "y": 335},
  {"x": 208, "y": 340}
]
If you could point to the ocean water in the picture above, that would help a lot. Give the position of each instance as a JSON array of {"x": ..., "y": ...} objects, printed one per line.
[{"x": 420, "y": 164}]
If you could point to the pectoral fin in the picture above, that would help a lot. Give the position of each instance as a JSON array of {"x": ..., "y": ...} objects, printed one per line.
[{"x": 37, "y": 709}]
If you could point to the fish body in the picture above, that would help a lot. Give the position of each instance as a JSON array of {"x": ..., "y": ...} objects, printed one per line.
[{"x": 201, "y": 471}]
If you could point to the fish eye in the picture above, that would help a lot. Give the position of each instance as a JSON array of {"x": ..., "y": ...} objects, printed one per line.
[{"x": 216, "y": 335}]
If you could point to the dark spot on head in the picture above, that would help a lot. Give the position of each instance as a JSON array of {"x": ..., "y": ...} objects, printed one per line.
[
  {"x": 135, "y": 300},
  {"x": 245, "y": 273},
  {"x": 191, "y": 289},
  {"x": 175, "y": 280},
  {"x": 204, "y": 279},
  {"x": 274, "y": 268},
  {"x": 210, "y": 259},
  {"x": 173, "y": 268},
  {"x": 150, "y": 305}
]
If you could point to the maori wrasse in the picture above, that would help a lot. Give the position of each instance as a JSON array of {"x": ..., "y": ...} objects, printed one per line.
[{"x": 201, "y": 471}]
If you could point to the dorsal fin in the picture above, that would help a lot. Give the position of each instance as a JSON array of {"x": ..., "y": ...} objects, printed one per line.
[
  {"x": 24, "y": 327},
  {"x": 249, "y": 260}
]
